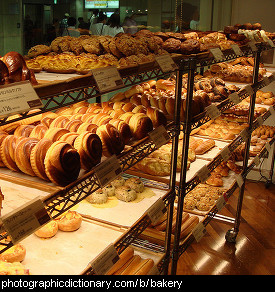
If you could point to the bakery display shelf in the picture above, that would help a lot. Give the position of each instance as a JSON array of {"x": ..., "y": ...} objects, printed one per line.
[
  {"x": 213, "y": 212},
  {"x": 203, "y": 117},
  {"x": 57, "y": 94}
]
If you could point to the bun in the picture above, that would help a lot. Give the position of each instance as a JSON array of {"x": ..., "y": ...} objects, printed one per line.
[
  {"x": 135, "y": 184},
  {"x": 62, "y": 163},
  {"x": 48, "y": 230},
  {"x": 97, "y": 197},
  {"x": 89, "y": 147},
  {"x": 125, "y": 193},
  {"x": 37, "y": 157},
  {"x": 71, "y": 221},
  {"x": 16, "y": 253}
]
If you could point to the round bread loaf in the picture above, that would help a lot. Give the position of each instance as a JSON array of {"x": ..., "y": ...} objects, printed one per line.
[
  {"x": 125, "y": 193},
  {"x": 97, "y": 197},
  {"x": 71, "y": 221}
]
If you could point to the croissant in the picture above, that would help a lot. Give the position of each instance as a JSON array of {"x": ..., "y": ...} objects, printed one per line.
[
  {"x": 62, "y": 163},
  {"x": 37, "y": 157},
  {"x": 89, "y": 147},
  {"x": 22, "y": 154}
]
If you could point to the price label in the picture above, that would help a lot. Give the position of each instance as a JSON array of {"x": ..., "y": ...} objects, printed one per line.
[
  {"x": 267, "y": 147},
  {"x": 244, "y": 134},
  {"x": 18, "y": 97},
  {"x": 105, "y": 260},
  {"x": 237, "y": 50},
  {"x": 239, "y": 180},
  {"x": 203, "y": 173},
  {"x": 260, "y": 120},
  {"x": 166, "y": 63},
  {"x": 160, "y": 136},
  {"x": 212, "y": 111},
  {"x": 271, "y": 110},
  {"x": 221, "y": 202},
  {"x": 234, "y": 97},
  {"x": 108, "y": 170},
  {"x": 156, "y": 211},
  {"x": 225, "y": 153},
  {"x": 256, "y": 160},
  {"x": 266, "y": 81},
  {"x": 24, "y": 220},
  {"x": 218, "y": 54},
  {"x": 107, "y": 78},
  {"x": 249, "y": 90},
  {"x": 270, "y": 42},
  {"x": 252, "y": 45},
  {"x": 199, "y": 231}
]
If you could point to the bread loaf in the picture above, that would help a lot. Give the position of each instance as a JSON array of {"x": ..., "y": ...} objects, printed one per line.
[
  {"x": 205, "y": 146},
  {"x": 188, "y": 226}
]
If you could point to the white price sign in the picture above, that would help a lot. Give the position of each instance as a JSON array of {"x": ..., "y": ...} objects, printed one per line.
[
  {"x": 234, "y": 97},
  {"x": 108, "y": 170},
  {"x": 237, "y": 50},
  {"x": 252, "y": 45},
  {"x": 24, "y": 220},
  {"x": 271, "y": 110},
  {"x": 239, "y": 180},
  {"x": 199, "y": 231},
  {"x": 218, "y": 54},
  {"x": 266, "y": 81},
  {"x": 18, "y": 97},
  {"x": 105, "y": 260},
  {"x": 107, "y": 78},
  {"x": 244, "y": 134},
  {"x": 203, "y": 173},
  {"x": 221, "y": 202},
  {"x": 160, "y": 136},
  {"x": 225, "y": 153},
  {"x": 256, "y": 160},
  {"x": 212, "y": 111},
  {"x": 166, "y": 63},
  {"x": 156, "y": 211},
  {"x": 249, "y": 89}
]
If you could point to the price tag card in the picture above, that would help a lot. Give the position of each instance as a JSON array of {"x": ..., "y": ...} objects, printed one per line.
[
  {"x": 252, "y": 45},
  {"x": 221, "y": 202},
  {"x": 166, "y": 63},
  {"x": 260, "y": 120},
  {"x": 270, "y": 42},
  {"x": 160, "y": 136},
  {"x": 18, "y": 97},
  {"x": 107, "y": 78},
  {"x": 237, "y": 50},
  {"x": 266, "y": 81},
  {"x": 268, "y": 147},
  {"x": 256, "y": 160},
  {"x": 212, "y": 111},
  {"x": 199, "y": 231},
  {"x": 244, "y": 134},
  {"x": 105, "y": 260},
  {"x": 225, "y": 153},
  {"x": 249, "y": 90},
  {"x": 234, "y": 97},
  {"x": 24, "y": 220},
  {"x": 156, "y": 211},
  {"x": 218, "y": 54},
  {"x": 239, "y": 180},
  {"x": 203, "y": 173},
  {"x": 108, "y": 170},
  {"x": 271, "y": 110}
]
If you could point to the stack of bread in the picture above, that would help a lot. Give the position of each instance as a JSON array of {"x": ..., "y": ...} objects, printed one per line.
[
  {"x": 234, "y": 71},
  {"x": 262, "y": 97}
]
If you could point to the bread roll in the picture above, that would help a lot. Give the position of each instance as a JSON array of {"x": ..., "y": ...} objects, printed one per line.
[
  {"x": 48, "y": 230},
  {"x": 71, "y": 221},
  {"x": 188, "y": 226},
  {"x": 16, "y": 253}
]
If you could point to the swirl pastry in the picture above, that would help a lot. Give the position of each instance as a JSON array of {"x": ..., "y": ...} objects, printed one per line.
[
  {"x": 140, "y": 125},
  {"x": 23, "y": 130},
  {"x": 89, "y": 147},
  {"x": 69, "y": 137},
  {"x": 62, "y": 163},
  {"x": 123, "y": 128},
  {"x": 112, "y": 142},
  {"x": 55, "y": 134},
  {"x": 24, "y": 145},
  {"x": 7, "y": 152},
  {"x": 37, "y": 157},
  {"x": 3, "y": 135},
  {"x": 86, "y": 126},
  {"x": 38, "y": 131}
]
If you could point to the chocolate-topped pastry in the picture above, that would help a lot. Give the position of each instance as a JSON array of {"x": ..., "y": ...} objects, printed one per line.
[
  {"x": 230, "y": 29},
  {"x": 190, "y": 46},
  {"x": 172, "y": 45}
]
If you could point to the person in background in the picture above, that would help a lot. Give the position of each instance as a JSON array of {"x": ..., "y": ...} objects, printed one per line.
[
  {"x": 97, "y": 28},
  {"x": 52, "y": 30},
  {"x": 71, "y": 30},
  {"x": 129, "y": 24},
  {"x": 113, "y": 26},
  {"x": 83, "y": 26},
  {"x": 185, "y": 13},
  {"x": 63, "y": 23},
  {"x": 93, "y": 18}
]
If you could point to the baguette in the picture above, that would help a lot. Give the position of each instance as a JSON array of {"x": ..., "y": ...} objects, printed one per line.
[
  {"x": 125, "y": 256},
  {"x": 162, "y": 226},
  {"x": 128, "y": 270},
  {"x": 143, "y": 267},
  {"x": 188, "y": 226},
  {"x": 185, "y": 217},
  {"x": 205, "y": 146}
]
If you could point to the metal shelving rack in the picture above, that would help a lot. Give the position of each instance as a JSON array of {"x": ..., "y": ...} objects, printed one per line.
[
  {"x": 77, "y": 191},
  {"x": 192, "y": 123}
]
